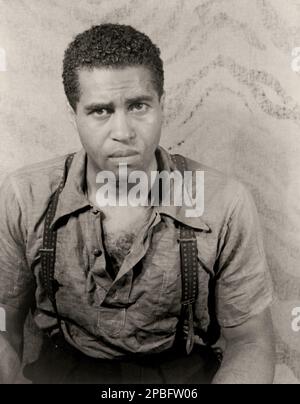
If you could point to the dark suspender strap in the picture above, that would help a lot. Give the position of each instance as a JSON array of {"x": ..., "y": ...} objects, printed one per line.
[
  {"x": 48, "y": 250},
  {"x": 189, "y": 268},
  {"x": 188, "y": 256}
]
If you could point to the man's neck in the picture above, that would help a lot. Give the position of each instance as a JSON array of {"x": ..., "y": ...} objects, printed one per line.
[{"x": 114, "y": 188}]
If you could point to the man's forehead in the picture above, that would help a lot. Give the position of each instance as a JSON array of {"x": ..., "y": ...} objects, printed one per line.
[{"x": 102, "y": 80}]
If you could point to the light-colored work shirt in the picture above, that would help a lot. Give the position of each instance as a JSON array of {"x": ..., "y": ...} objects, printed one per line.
[{"x": 138, "y": 310}]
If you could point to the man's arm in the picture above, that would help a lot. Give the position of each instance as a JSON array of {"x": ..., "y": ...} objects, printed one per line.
[
  {"x": 9, "y": 363},
  {"x": 249, "y": 355},
  {"x": 16, "y": 281},
  {"x": 11, "y": 346},
  {"x": 243, "y": 295}
]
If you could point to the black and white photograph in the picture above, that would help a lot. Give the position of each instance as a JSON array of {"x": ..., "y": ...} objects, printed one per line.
[{"x": 149, "y": 194}]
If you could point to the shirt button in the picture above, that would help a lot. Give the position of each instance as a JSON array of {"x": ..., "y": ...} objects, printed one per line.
[{"x": 97, "y": 252}]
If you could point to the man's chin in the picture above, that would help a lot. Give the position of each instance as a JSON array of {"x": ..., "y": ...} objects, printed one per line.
[
  {"x": 117, "y": 165},
  {"x": 130, "y": 161}
]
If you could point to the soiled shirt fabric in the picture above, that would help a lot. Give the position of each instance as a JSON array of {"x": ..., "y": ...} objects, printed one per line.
[{"x": 138, "y": 310}]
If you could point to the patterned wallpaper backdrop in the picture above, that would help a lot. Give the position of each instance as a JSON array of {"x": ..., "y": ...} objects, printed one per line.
[{"x": 233, "y": 102}]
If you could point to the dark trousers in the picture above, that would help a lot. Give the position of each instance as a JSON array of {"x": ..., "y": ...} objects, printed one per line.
[{"x": 62, "y": 364}]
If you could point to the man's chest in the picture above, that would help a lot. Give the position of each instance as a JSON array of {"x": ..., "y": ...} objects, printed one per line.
[
  {"x": 121, "y": 228},
  {"x": 147, "y": 287}
]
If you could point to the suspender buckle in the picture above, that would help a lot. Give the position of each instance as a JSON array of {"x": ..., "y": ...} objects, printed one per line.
[
  {"x": 188, "y": 302},
  {"x": 47, "y": 250}
]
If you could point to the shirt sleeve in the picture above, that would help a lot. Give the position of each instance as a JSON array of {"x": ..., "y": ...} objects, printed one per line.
[
  {"x": 16, "y": 279},
  {"x": 244, "y": 287}
]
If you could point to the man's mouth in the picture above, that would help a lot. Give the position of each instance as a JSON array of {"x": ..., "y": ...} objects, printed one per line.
[{"x": 123, "y": 153}]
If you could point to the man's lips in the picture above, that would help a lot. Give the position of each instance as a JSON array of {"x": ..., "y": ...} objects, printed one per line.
[{"x": 123, "y": 153}]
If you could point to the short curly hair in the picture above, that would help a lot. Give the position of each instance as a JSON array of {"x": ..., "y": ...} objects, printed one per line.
[{"x": 110, "y": 45}]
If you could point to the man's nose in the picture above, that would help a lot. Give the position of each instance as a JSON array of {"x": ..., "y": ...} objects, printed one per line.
[{"x": 121, "y": 129}]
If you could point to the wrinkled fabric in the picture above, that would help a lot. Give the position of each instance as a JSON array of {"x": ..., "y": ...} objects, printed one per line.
[
  {"x": 138, "y": 311},
  {"x": 63, "y": 364}
]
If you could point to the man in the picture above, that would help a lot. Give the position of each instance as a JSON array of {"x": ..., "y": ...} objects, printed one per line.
[{"x": 113, "y": 308}]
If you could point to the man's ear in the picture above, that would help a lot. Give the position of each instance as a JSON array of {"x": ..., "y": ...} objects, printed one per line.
[
  {"x": 162, "y": 101},
  {"x": 71, "y": 115}
]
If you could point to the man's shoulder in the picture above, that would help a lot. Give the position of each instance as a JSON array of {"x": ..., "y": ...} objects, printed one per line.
[
  {"x": 46, "y": 168},
  {"x": 222, "y": 193},
  {"x": 48, "y": 171},
  {"x": 36, "y": 181},
  {"x": 215, "y": 181}
]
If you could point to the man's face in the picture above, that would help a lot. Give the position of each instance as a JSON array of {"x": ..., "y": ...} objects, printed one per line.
[{"x": 119, "y": 117}]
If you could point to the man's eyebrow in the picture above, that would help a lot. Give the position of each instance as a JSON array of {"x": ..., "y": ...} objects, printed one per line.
[
  {"x": 139, "y": 98},
  {"x": 102, "y": 105},
  {"x": 98, "y": 105}
]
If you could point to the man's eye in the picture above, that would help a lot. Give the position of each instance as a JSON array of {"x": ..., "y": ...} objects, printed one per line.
[
  {"x": 101, "y": 112},
  {"x": 139, "y": 107}
]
